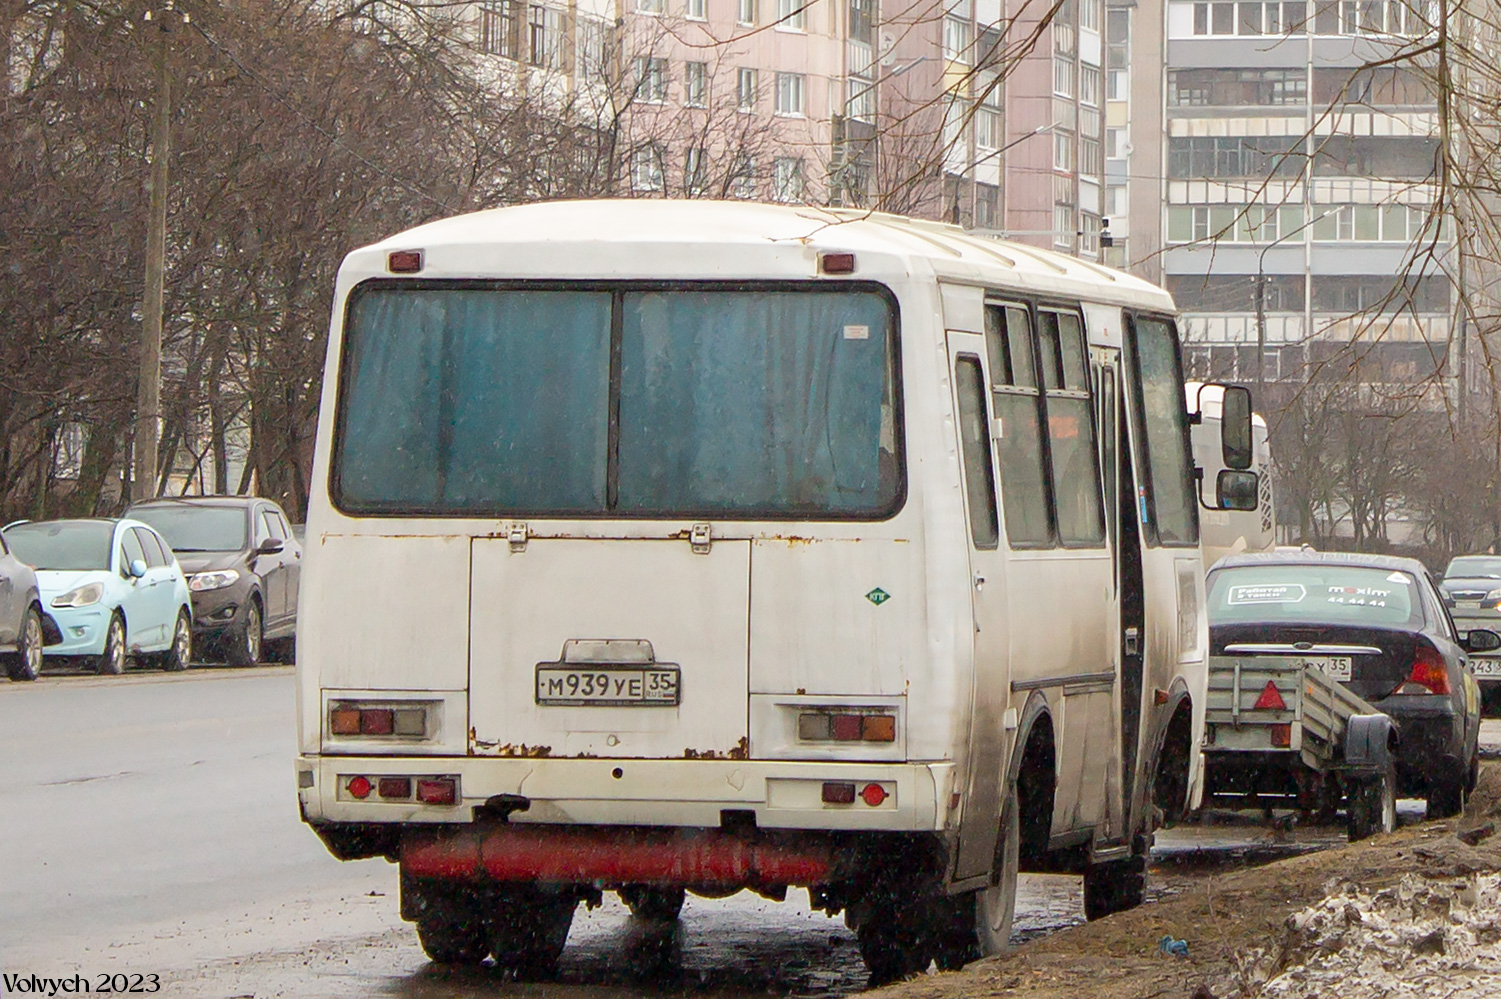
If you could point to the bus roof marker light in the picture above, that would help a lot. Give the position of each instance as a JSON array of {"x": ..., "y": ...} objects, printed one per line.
[
  {"x": 404, "y": 261},
  {"x": 837, "y": 263}
]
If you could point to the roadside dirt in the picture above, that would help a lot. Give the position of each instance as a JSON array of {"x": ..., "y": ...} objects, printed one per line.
[{"x": 1395, "y": 915}]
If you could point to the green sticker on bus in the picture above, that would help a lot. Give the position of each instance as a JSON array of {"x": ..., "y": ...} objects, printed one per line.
[{"x": 878, "y": 596}]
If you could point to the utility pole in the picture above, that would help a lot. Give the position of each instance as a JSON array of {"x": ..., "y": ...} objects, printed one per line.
[{"x": 149, "y": 380}]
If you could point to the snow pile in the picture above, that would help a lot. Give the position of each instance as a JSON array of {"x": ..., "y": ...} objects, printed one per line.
[{"x": 1420, "y": 938}]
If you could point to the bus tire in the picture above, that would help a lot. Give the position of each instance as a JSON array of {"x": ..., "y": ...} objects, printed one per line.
[
  {"x": 1115, "y": 886},
  {"x": 529, "y": 928},
  {"x": 893, "y": 946},
  {"x": 658, "y": 905}
]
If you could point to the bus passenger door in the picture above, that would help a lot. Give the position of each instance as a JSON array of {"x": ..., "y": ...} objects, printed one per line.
[{"x": 986, "y": 757}]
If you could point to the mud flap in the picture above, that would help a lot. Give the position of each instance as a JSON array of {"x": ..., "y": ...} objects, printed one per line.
[{"x": 1369, "y": 741}]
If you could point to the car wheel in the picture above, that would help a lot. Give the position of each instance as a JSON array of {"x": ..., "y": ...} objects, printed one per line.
[
  {"x": 245, "y": 648},
  {"x": 26, "y": 662},
  {"x": 180, "y": 654},
  {"x": 112, "y": 662},
  {"x": 1446, "y": 795}
]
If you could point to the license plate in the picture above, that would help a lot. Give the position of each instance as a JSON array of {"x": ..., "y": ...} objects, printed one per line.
[
  {"x": 608, "y": 686},
  {"x": 1337, "y": 667},
  {"x": 1486, "y": 667}
]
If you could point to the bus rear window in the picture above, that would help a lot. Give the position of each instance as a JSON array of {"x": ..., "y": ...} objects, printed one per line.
[{"x": 466, "y": 400}]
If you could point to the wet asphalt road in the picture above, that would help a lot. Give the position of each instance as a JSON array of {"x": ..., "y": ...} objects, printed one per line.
[{"x": 151, "y": 828}]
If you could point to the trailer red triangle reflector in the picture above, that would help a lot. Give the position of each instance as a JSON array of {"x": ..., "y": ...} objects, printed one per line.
[{"x": 1270, "y": 699}]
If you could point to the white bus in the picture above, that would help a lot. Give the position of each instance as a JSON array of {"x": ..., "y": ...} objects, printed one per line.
[
  {"x": 686, "y": 546},
  {"x": 1228, "y": 531}
]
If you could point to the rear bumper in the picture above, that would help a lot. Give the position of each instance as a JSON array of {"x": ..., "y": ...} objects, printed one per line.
[
  {"x": 648, "y": 793},
  {"x": 1432, "y": 738}
]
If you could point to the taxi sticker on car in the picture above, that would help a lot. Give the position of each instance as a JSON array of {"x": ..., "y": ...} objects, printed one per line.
[{"x": 1267, "y": 593}]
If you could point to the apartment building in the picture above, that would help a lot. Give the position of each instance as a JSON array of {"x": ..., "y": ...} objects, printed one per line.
[{"x": 1289, "y": 201}]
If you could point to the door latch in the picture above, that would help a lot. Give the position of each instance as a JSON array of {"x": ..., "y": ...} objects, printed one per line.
[
  {"x": 699, "y": 538},
  {"x": 1133, "y": 641},
  {"x": 517, "y": 537}
]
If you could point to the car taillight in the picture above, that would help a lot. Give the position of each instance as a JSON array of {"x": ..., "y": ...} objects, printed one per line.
[{"x": 1429, "y": 672}]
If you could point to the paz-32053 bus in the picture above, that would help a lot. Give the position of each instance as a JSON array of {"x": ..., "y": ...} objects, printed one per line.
[{"x": 665, "y": 547}]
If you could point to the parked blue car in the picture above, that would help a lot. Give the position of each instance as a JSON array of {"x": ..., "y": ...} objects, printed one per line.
[{"x": 114, "y": 588}]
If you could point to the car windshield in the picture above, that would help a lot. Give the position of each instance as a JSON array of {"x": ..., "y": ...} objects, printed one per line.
[
  {"x": 1473, "y": 567},
  {"x": 191, "y": 528},
  {"x": 62, "y": 544},
  {"x": 1314, "y": 594}
]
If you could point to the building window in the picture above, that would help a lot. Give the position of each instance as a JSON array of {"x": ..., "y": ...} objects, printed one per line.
[
  {"x": 591, "y": 48},
  {"x": 695, "y": 84},
  {"x": 646, "y": 175},
  {"x": 1063, "y": 225},
  {"x": 1237, "y": 87},
  {"x": 743, "y": 177},
  {"x": 745, "y": 12},
  {"x": 1090, "y": 164},
  {"x": 745, "y": 89},
  {"x": 1089, "y": 15},
  {"x": 1063, "y": 151},
  {"x": 497, "y": 29},
  {"x": 862, "y": 26},
  {"x": 695, "y": 172},
  {"x": 650, "y": 6},
  {"x": 790, "y": 94},
  {"x": 545, "y": 36},
  {"x": 1115, "y": 142},
  {"x": 651, "y": 80},
  {"x": 1089, "y": 240},
  {"x": 958, "y": 38},
  {"x": 793, "y": 14},
  {"x": 787, "y": 178},
  {"x": 987, "y": 206},
  {"x": 987, "y": 128},
  {"x": 698, "y": 10},
  {"x": 1063, "y": 76},
  {"x": 1089, "y": 86}
]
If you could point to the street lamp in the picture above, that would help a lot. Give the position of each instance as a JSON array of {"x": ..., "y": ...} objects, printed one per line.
[{"x": 1261, "y": 302}]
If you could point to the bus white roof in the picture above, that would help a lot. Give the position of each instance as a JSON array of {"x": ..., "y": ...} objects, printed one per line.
[{"x": 482, "y": 244}]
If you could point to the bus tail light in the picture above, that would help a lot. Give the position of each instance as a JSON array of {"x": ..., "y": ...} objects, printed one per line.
[
  {"x": 353, "y": 719},
  {"x": 404, "y": 261},
  {"x": 829, "y": 726},
  {"x": 438, "y": 791},
  {"x": 838, "y": 792}
]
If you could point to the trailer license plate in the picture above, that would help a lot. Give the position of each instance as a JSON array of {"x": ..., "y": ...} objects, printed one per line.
[
  {"x": 1337, "y": 667},
  {"x": 608, "y": 686},
  {"x": 1486, "y": 667}
]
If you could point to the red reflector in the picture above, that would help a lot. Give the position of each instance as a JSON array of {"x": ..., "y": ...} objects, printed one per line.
[
  {"x": 847, "y": 728},
  {"x": 1270, "y": 699},
  {"x": 377, "y": 721},
  {"x": 873, "y": 794},
  {"x": 438, "y": 791},
  {"x": 395, "y": 787},
  {"x": 838, "y": 793},
  {"x": 838, "y": 263},
  {"x": 404, "y": 261},
  {"x": 1430, "y": 670},
  {"x": 358, "y": 787},
  {"x": 1282, "y": 735}
]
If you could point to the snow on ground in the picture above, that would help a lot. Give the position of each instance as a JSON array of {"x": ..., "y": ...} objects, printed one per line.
[{"x": 1419, "y": 938}]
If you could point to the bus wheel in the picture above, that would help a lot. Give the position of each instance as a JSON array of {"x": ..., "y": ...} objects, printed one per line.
[
  {"x": 995, "y": 907},
  {"x": 1115, "y": 886},
  {"x": 529, "y": 927},
  {"x": 893, "y": 946},
  {"x": 658, "y": 905},
  {"x": 451, "y": 928}
]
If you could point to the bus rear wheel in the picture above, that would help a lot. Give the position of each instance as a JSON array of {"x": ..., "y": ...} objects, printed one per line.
[{"x": 529, "y": 927}]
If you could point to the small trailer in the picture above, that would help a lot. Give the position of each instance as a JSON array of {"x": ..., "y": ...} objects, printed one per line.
[{"x": 1281, "y": 731}]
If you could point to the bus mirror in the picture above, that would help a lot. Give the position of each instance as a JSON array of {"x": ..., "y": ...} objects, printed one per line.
[
  {"x": 1236, "y": 490},
  {"x": 1235, "y": 428}
]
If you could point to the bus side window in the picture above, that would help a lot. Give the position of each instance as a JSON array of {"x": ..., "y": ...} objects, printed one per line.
[
  {"x": 974, "y": 435},
  {"x": 1071, "y": 433},
  {"x": 1024, "y": 488}
]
